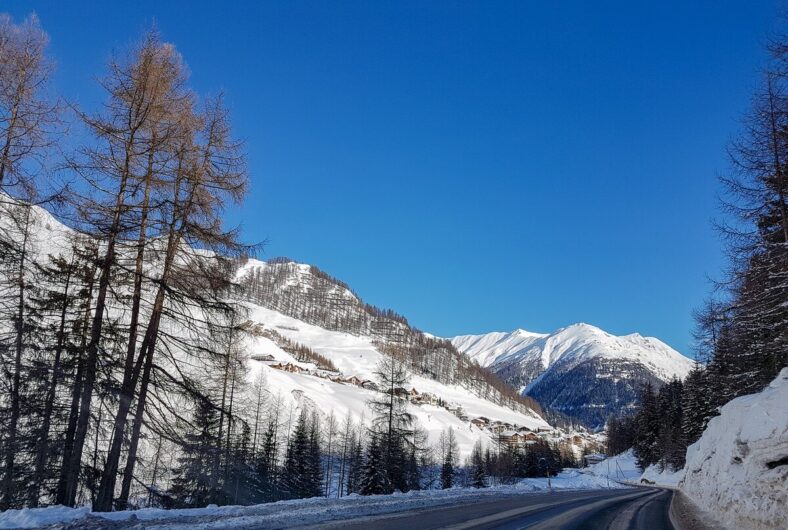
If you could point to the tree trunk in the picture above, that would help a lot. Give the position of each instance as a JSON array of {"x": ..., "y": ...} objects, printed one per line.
[
  {"x": 13, "y": 422},
  {"x": 42, "y": 447}
]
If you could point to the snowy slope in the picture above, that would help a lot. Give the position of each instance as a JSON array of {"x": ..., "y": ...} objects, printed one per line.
[
  {"x": 738, "y": 470},
  {"x": 573, "y": 344},
  {"x": 580, "y": 370},
  {"x": 356, "y": 355}
]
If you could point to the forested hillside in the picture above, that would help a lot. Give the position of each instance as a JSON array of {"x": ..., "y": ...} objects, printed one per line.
[
  {"x": 309, "y": 294},
  {"x": 742, "y": 330}
]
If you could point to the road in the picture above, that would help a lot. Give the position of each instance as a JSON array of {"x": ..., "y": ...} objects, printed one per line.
[{"x": 641, "y": 508}]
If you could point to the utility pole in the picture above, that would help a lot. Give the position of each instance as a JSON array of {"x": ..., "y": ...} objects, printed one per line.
[{"x": 547, "y": 473}]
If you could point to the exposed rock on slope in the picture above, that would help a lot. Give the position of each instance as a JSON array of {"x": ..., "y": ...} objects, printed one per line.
[{"x": 581, "y": 370}]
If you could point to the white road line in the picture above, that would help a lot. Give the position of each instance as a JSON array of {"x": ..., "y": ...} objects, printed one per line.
[
  {"x": 521, "y": 511},
  {"x": 623, "y": 519},
  {"x": 567, "y": 516}
]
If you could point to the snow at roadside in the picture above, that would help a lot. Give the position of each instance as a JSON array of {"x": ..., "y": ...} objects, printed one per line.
[
  {"x": 738, "y": 470},
  {"x": 298, "y": 512},
  {"x": 620, "y": 468},
  {"x": 665, "y": 478},
  {"x": 623, "y": 468}
]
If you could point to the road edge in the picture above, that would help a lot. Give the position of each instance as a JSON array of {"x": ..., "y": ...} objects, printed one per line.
[{"x": 686, "y": 515}]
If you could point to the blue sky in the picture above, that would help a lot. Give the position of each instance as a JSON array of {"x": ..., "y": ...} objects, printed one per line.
[{"x": 475, "y": 166}]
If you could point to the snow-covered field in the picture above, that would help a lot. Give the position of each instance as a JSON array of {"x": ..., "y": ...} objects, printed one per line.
[
  {"x": 302, "y": 511},
  {"x": 356, "y": 355},
  {"x": 738, "y": 470},
  {"x": 623, "y": 468}
]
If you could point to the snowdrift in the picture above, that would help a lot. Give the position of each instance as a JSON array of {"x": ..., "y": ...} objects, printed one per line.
[{"x": 738, "y": 470}]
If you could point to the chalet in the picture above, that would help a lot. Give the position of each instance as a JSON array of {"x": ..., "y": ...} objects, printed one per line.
[
  {"x": 497, "y": 427},
  {"x": 369, "y": 385},
  {"x": 288, "y": 367},
  {"x": 353, "y": 380},
  {"x": 262, "y": 357},
  {"x": 401, "y": 392},
  {"x": 511, "y": 438},
  {"x": 523, "y": 430},
  {"x": 530, "y": 437},
  {"x": 481, "y": 422},
  {"x": 577, "y": 439},
  {"x": 594, "y": 458},
  {"x": 424, "y": 399}
]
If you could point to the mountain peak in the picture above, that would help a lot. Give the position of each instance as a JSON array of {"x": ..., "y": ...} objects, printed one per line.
[{"x": 598, "y": 362}]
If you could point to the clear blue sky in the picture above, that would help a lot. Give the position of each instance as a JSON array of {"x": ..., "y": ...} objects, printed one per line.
[{"x": 475, "y": 166}]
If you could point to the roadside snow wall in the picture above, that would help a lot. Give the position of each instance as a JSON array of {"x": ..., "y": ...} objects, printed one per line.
[{"x": 738, "y": 470}]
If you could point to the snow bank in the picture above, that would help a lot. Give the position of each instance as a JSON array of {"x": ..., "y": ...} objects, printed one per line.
[
  {"x": 738, "y": 470},
  {"x": 35, "y": 517},
  {"x": 621, "y": 468},
  {"x": 570, "y": 479},
  {"x": 303, "y": 511},
  {"x": 666, "y": 478}
]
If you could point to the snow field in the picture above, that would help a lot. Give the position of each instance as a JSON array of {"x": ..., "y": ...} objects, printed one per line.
[{"x": 356, "y": 355}]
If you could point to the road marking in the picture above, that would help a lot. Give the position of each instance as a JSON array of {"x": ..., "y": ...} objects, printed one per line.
[
  {"x": 627, "y": 515},
  {"x": 498, "y": 516},
  {"x": 575, "y": 512},
  {"x": 473, "y": 523}
]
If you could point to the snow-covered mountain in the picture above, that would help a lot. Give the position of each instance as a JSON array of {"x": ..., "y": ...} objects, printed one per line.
[
  {"x": 304, "y": 305},
  {"x": 580, "y": 370},
  {"x": 294, "y": 308}
]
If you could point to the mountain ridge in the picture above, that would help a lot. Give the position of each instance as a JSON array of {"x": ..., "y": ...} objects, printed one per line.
[{"x": 545, "y": 365}]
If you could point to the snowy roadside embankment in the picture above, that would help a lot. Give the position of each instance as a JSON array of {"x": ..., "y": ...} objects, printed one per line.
[
  {"x": 738, "y": 470},
  {"x": 619, "y": 468},
  {"x": 623, "y": 468},
  {"x": 665, "y": 478},
  {"x": 298, "y": 512}
]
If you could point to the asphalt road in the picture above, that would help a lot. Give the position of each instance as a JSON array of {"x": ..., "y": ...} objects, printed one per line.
[{"x": 641, "y": 508}]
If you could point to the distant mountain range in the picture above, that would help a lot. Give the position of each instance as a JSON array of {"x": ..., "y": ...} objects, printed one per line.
[{"x": 580, "y": 370}]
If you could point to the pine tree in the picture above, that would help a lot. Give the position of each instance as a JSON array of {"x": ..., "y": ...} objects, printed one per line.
[
  {"x": 647, "y": 422},
  {"x": 392, "y": 419},
  {"x": 449, "y": 459},
  {"x": 301, "y": 473},
  {"x": 375, "y": 477},
  {"x": 478, "y": 467},
  {"x": 265, "y": 476},
  {"x": 696, "y": 404},
  {"x": 195, "y": 482}
]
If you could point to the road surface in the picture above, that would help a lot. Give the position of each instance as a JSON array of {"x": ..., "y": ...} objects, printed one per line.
[
  {"x": 621, "y": 509},
  {"x": 641, "y": 508}
]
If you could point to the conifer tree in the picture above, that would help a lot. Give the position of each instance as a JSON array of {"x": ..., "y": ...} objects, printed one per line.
[
  {"x": 478, "y": 467},
  {"x": 449, "y": 459},
  {"x": 195, "y": 483},
  {"x": 375, "y": 477},
  {"x": 645, "y": 447}
]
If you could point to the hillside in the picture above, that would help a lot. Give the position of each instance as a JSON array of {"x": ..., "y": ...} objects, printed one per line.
[
  {"x": 302, "y": 317},
  {"x": 580, "y": 370},
  {"x": 304, "y": 305}
]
